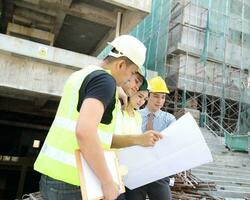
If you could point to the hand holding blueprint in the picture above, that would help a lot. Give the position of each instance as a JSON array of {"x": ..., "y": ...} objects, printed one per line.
[{"x": 182, "y": 148}]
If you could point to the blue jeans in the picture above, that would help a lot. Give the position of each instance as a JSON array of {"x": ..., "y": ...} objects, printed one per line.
[
  {"x": 158, "y": 190},
  {"x": 52, "y": 189}
]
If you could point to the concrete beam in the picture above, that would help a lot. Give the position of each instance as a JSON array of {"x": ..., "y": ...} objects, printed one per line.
[
  {"x": 60, "y": 19},
  {"x": 28, "y": 22},
  {"x": 103, "y": 43},
  {"x": 31, "y": 76},
  {"x": 92, "y": 13},
  {"x": 24, "y": 125},
  {"x": 25, "y": 106},
  {"x": 144, "y": 5},
  {"x": 21, "y": 19},
  {"x": 46, "y": 54},
  {"x": 30, "y": 32},
  {"x": 134, "y": 5},
  {"x": 180, "y": 48},
  {"x": 95, "y": 14},
  {"x": 27, "y": 70},
  {"x": 32, "y": 5},
  {"x": 129, "y": 20},
  {"x": 59, "y": 9},
  {"x": 216, "y": 90},
  {"x": 81, "y": 10},
  {"x": 34, "y": 15},
  {"x": 56, "y": 2},
  {"x": 26, "y": 95},
  {"x": 32, "y": 1}
]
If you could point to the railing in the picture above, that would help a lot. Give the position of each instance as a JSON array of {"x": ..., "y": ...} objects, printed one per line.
[
  {"x": 215, "y": 128},
  {"x": 234, "y": 142}
]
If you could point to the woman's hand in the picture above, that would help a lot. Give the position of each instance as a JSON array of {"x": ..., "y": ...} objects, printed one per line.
[{"x": 149, "y": 138}]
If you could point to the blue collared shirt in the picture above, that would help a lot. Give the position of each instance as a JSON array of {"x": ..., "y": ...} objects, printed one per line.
[{"x": 161, "y": 120}]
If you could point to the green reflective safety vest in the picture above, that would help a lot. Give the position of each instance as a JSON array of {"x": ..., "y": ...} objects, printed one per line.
[
  {"x": 135, "y": 127},
  {"x": 57, "y": 156}
]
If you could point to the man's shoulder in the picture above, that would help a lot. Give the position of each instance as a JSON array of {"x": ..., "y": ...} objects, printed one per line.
[
  {"x": 167, "y": 115},
  {"x": 99, "y": 76},
  {"x": 170, "y": 117},
  {"x": 94, "y": 71}
]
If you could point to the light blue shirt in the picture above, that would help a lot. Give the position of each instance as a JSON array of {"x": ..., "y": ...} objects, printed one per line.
[{"x": 161, "y": 119}]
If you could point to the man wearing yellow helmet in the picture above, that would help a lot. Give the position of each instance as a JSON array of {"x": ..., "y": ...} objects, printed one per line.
[{"x": 154, "y": 119}]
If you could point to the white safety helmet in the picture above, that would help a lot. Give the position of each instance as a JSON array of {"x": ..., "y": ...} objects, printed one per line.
[{"x": 130, "y": 47}]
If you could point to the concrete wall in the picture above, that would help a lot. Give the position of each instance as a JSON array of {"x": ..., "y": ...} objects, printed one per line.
[
  {"x": 34, "y": 68},
  {"x": 225, "y": 40},
  {"x": 187, "y": 72},
  {"x": 228, "y": 40},
  {"x": 31, "y": 75}
]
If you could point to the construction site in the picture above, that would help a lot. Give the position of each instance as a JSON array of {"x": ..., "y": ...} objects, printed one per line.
[{"x": 200, "y": 47}]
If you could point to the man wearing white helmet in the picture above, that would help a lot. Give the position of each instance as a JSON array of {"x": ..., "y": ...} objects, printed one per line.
[{"x": 85, "y": 120}]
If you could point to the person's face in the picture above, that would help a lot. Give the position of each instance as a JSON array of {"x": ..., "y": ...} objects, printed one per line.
[
  {"x": 138, "y": 99},
  {"x": 156, "y": 101},
  {"x": 133, "y": 85},
  {"x": 125, "y": 72}
]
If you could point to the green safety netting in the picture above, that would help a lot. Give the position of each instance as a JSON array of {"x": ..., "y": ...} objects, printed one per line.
[
  {"x": 227, "y": 40},
  {"x": 224, "y": 40}
]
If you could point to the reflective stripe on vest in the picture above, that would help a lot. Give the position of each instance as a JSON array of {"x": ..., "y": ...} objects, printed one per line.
[
  {"x": 56, "y": 159},
  {"x": 70, "y": 125},
  {"x": 65, "y": 123},
  {"x": 59, "y": 155}
]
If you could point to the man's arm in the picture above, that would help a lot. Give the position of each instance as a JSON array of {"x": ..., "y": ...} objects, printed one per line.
[
  {"x": 149, "y": 138},
  {"x": 86, "y": 132}
]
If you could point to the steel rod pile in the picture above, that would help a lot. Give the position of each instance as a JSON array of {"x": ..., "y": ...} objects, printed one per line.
[{"x": 189, "y": 187}]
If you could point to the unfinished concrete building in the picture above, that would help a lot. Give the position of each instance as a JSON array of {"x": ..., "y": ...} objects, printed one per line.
[
  {"x": 41, "y": 43},
  {"x": 208, "y": 64},
  {"x": 201, "y": 47}
]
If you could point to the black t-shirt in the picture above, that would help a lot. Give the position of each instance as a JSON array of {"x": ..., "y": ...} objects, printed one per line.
[{"x": 102, "y": 86}]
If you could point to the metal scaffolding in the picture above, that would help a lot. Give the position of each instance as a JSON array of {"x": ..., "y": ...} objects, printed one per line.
[
  {"x": 208, "y": 62},
  {"x": 202, "y": 48}
]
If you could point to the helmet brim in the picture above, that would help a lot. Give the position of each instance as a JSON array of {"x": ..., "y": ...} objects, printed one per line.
[{"x": 118, "y": 55}]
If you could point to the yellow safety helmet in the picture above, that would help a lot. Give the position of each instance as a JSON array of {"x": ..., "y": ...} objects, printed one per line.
[{"x": 157, "y": 84}]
